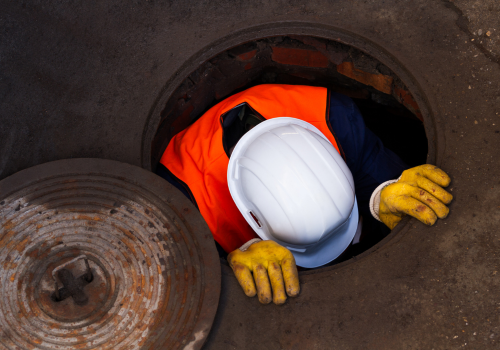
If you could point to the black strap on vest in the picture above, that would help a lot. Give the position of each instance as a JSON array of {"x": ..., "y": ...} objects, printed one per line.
[{"x": 236, "y": 123}]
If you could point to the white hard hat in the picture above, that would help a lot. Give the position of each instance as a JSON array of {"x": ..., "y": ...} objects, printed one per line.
[{"x": 293, "y": 187}]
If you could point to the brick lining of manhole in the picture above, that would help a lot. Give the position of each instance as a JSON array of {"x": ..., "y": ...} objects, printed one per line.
[
  {"x": 297, "y": 60},
  {"x": 343, "y": 63}
]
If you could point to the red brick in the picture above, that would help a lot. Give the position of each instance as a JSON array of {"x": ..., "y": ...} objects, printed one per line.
[
  {"x": 334, "y": 56},
  {"x": 378, "y": 81},
  {"x": 407, "y": 100},
  {"x": 299, "y": 57},
  {"x": 247, "y": 55}
]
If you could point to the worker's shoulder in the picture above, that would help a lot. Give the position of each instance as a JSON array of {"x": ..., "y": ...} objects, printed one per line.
[{"x": 338, "y": 99}]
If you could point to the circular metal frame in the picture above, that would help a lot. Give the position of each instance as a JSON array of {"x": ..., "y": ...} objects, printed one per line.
[{"x": 435, "y": 137}]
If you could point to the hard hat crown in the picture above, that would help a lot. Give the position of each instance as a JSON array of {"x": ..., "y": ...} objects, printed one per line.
[{"x": 290, "y": 183}]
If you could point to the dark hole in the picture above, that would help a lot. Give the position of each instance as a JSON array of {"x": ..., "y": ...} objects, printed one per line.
[
  {"x": 255, "y": 219},
  {"x": 399, "y": 131},
  {"x": 388, "y": 110}
]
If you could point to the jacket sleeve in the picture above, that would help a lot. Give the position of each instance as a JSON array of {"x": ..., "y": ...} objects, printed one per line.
[{"x": 369, "y": 161}]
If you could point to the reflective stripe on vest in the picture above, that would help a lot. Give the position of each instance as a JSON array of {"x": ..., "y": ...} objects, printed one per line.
[{"x": 196, "y": 155}]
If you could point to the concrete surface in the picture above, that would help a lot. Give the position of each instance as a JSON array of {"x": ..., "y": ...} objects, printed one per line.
[{"x": 80, "y": 79}]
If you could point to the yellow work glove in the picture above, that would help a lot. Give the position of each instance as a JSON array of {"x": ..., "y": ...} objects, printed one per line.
[
  {"x": 418, "y": 193},
  {"x": 268, "y": 261}
]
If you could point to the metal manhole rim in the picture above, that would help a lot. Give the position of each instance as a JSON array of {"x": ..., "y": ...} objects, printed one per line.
[{"x": 435, "y": 136}]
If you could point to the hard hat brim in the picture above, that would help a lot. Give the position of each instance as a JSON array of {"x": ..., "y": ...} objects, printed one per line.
[
  {"x": 321, "y": 252},
  {"x": 332, "y": 247}
]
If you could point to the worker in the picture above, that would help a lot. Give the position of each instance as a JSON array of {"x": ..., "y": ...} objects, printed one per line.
[{"x": 272, "y": 171}]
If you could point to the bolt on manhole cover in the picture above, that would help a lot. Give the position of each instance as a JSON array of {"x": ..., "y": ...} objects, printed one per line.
[{"x": 97, "y": 254}]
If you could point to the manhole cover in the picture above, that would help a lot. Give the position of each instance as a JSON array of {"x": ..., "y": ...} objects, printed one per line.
[{"x": 97, "y": 254}]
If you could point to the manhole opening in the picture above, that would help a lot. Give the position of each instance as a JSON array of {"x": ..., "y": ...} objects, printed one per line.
[{"x": 387, "y": 106}]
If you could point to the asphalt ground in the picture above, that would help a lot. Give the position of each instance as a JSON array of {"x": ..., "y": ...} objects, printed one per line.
[{"x": 81, "y": 79}]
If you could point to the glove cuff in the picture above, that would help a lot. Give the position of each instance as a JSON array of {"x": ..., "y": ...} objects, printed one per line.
[
  {"x": 245, "y": 246},
  {"x": 375, "y": 198}
]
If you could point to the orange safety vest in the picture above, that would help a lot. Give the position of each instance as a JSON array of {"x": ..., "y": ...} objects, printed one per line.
[{"x": 196, "y": 155}]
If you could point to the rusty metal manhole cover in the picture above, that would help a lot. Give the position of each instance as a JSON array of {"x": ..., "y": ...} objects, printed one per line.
[{"x": 97, "y": 254}]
